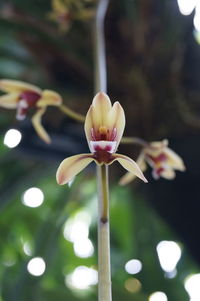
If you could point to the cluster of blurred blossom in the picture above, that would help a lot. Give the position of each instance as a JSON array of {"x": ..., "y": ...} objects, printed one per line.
[
  {"x": 24, "y": 97},
  {"x": 160, "y": 158},
  {"x": 64, "y": 12}
]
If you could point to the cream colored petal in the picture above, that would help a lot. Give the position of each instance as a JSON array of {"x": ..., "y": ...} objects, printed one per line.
[
  {"x": 156, "y": 148},
  {"x": 49, "y": 98},
  {"x": 116, "y": 119},
  {"x": 174, "y": 160},
  {"x": 101, "y": 113},
  {"x": 159, "y": 144},
  {"x": 88, "y": 124},
  {"x": 71, "y": 166},
  {"x": 58, "y": 6},
  {"x": 8, "y": 85},
  {"x": 9, "y": 101},
  {"x": 168, "y": 174},
  {"x": 129, "y": 176},
  {"x": 36, "y": 121},
  {"x": 101, "y": 105},
  {"x": 129, "y": 165}
]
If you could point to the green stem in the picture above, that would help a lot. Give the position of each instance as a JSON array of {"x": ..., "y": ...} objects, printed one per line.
[
  {"x": 72, "y": 114},
  {"x": 104, "y": 268}
]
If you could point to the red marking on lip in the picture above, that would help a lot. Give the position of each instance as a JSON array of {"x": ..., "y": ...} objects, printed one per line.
[
  {"x": 30, "y": 97},
  {"x": 108, "y": 136},
  {"x": 161, "y": 158},
  {"x": 98, "y": 148},
  {"x": 113, "y": 135},
  {"x": 27, "y": 99},
  {"x": 103, "y": 156},
  {"x": 159, "y": 170},
  {"x": 64, "y": 17}
]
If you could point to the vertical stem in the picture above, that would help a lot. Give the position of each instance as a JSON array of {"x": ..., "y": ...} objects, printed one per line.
[
  {"x": 104, "y": 270},
  {"x": 99, "y": 43}
]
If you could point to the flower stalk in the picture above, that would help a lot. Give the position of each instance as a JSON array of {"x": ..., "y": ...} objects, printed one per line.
[
  {"x": 104, "y": 127},
  {"x": 104, "y": 265},
  {"x": 134, "y": 140},
  {"x": 72, "y": 114}
]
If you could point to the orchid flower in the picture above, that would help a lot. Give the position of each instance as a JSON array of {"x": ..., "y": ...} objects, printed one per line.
[
  {"x": 23, "y": 96},
  {"x": 104, "y": 126},
  {"x": 60, "y": 14},
  {"x": 162, "y": 160}
]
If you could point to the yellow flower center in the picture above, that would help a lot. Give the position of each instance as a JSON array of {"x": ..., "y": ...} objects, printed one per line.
[{"x": 103, "y": 131}]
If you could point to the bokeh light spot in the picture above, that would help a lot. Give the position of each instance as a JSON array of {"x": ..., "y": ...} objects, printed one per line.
[
  {"x": 82, "y": 278},
  {"x": 133, "y": 266},
  {"x": 83, "y": 248},
  {"x": 36, "y": 266},
  {"x": 77, "y": 227},
  {"x": 186, "y": 6},
  {"x": 158, "y": 296},
  {"x": 27, "y": 249},
  {"x": 133, "y": 285},
  {"x": 12, "y": 138},
  {"x": 169, "y": 253},
  {"x": 33, "y": 197},
  {"x": 192, "y": 286}
]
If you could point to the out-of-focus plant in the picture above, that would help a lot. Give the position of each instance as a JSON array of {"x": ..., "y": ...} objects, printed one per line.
[
  {"x": 23, "y": 97},
  {"x": 159, "y": 157},
  {"x": 64, "y": 12}
]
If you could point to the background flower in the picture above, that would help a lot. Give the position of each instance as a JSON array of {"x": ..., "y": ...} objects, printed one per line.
[
  {"x": 23, "y": 97},
  {"x": 162, "y": 160}
]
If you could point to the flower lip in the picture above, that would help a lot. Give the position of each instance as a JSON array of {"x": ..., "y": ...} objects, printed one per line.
[
  {"x": 157, "y": 172},
  {"x": 22, "y": 108},
  {"x": 108, "y": 146},
  {"x": 158, "y": 159},
  {"x": 27, "y": 99},
  {"x": 30, "y": 97},
  {"x": 23, "y": 96}
]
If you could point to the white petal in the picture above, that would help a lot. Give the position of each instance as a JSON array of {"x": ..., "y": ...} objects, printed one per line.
[{"x": 110, "y": 146}]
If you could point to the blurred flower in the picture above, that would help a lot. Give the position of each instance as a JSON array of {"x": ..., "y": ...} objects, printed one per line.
[
  {"x": 60, "y": 14},
  {"x": 23, "y": 96},
  {"x": 104, "y": 126},
  {"x": 162, "y": 159},
  {"x": 65, "y": 11}
]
